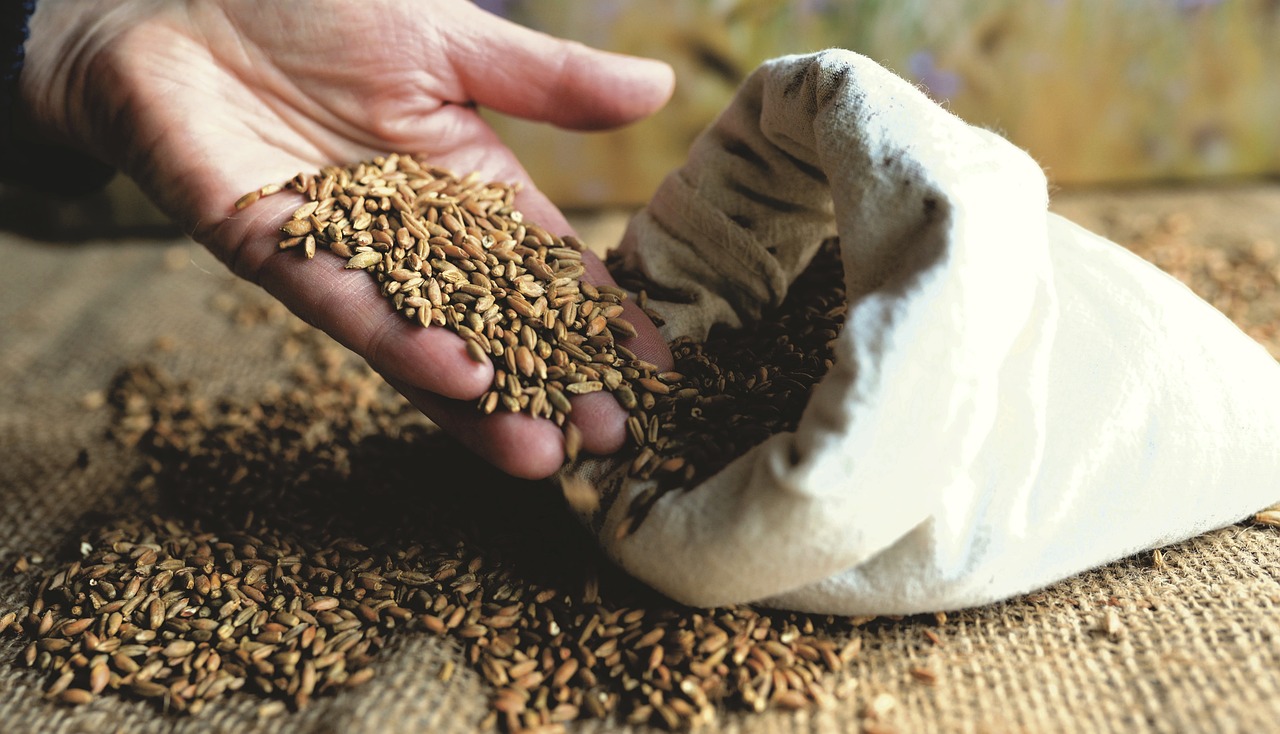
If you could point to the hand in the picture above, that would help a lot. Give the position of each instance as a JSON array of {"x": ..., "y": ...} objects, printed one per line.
[{"x": 201, "y": 101}]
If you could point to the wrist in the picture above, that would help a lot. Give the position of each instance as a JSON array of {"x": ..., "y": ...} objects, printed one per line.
[
  {"x": 50, "y": 128},
  {"x": 52, "y": 85}
]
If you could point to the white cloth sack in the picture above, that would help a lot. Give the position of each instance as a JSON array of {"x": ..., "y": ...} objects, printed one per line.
[{"x": 1014, "y": 399}]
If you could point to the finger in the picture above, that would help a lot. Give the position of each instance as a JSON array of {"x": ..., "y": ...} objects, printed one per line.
[
  {"x": 540, "y": 77},
  {"x": 601, "y": 421},
  {"x": 346, "y": 305},
  {"x": 516, "y": 443}
]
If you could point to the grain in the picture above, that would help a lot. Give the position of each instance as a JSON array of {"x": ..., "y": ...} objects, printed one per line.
[
  {"x": 509, "y": 287},
  {"x": 75, "y": 697},
  {"x": 264, "y": 574},
  {"x": 247, "y": 199},
  {"x": 1112, "y": 625},
  {"x": 268, "y": 548},
  {"x": 738, "y": 387},
  {"x": 924, "y": 675}
]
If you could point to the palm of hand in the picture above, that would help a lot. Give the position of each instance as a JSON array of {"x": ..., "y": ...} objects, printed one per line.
[{"x": 203, "y": 101}]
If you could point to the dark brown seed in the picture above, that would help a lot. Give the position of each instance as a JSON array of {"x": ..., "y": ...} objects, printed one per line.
[
  {"x": 155, "y": 614},
  {"x": 76, "y": 627},
  {"x": 622, "y": 327}
]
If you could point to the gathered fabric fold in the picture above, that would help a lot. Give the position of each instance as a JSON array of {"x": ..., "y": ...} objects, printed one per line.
[{"x": 1013, "y": 399}]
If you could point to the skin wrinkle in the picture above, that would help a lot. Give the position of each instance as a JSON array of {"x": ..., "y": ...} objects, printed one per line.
[
  {"x": 419, "y": 86},
  {"x": 385, "y": 335},
  {"x": 562, "y": 73},
  {"x": 65, "y": 74},
  {"x": 378, "y": 335},
  {"x": 371, "y": 127},
  {"x": 120, "y": 65},
  {"x": 162, "y": 134},
  {"x": 235, "y": 257},
  {"x": 289, "y": 102},
  {"x": 282, "y": 90}
]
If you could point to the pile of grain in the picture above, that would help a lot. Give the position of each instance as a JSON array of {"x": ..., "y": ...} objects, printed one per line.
[{"x": 288, "y": 536}]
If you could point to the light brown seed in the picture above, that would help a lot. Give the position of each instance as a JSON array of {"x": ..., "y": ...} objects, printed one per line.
[
  {"x": 565, "y": 672},
  {"x": 271, "y": 709},
  {"x": 247, "y": 199},
  {"x": 362, "y": 260},
  {"x": 572, "y": 445},
  {"x": 476, "y": 352},
  {"x": 296, "y": 227},
  {"x": 148, "y": 689},
  {"x": 99, "y": 678},
  {"x": 179, "y": 649},
  {"x": 653, "y": 386},
  {"x": 622, "y": 327},
  {"x": 791, "y": 700},
  {"x": 581, "y": 496},
  {"x": 321, "y": 603},
  {"x": 924, "y": 675},
  {"x": 524, "y": 360},
  {"x": 75, "y": 697},
  {"x": 304, "y": 211}
]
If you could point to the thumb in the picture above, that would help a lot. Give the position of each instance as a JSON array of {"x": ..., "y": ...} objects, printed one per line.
[{"x": 525, "y": 73}]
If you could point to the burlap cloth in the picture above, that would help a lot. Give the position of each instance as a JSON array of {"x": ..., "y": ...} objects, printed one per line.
[{"x": 1195, "y": 648}]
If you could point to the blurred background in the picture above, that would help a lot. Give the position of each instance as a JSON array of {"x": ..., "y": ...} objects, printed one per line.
[
  {"x": 1101, "y": 92},
  {"x": 1097, "y": 91}
]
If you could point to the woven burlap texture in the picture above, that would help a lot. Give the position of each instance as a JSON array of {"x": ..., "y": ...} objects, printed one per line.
[{"x": 1194, "y": 649}]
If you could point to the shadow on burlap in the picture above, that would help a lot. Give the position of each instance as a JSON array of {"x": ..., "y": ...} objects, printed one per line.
[{"x": 1191, "y": 645}]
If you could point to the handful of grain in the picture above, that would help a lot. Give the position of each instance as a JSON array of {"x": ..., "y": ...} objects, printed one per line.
[{"x": 453, "y": 252}]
